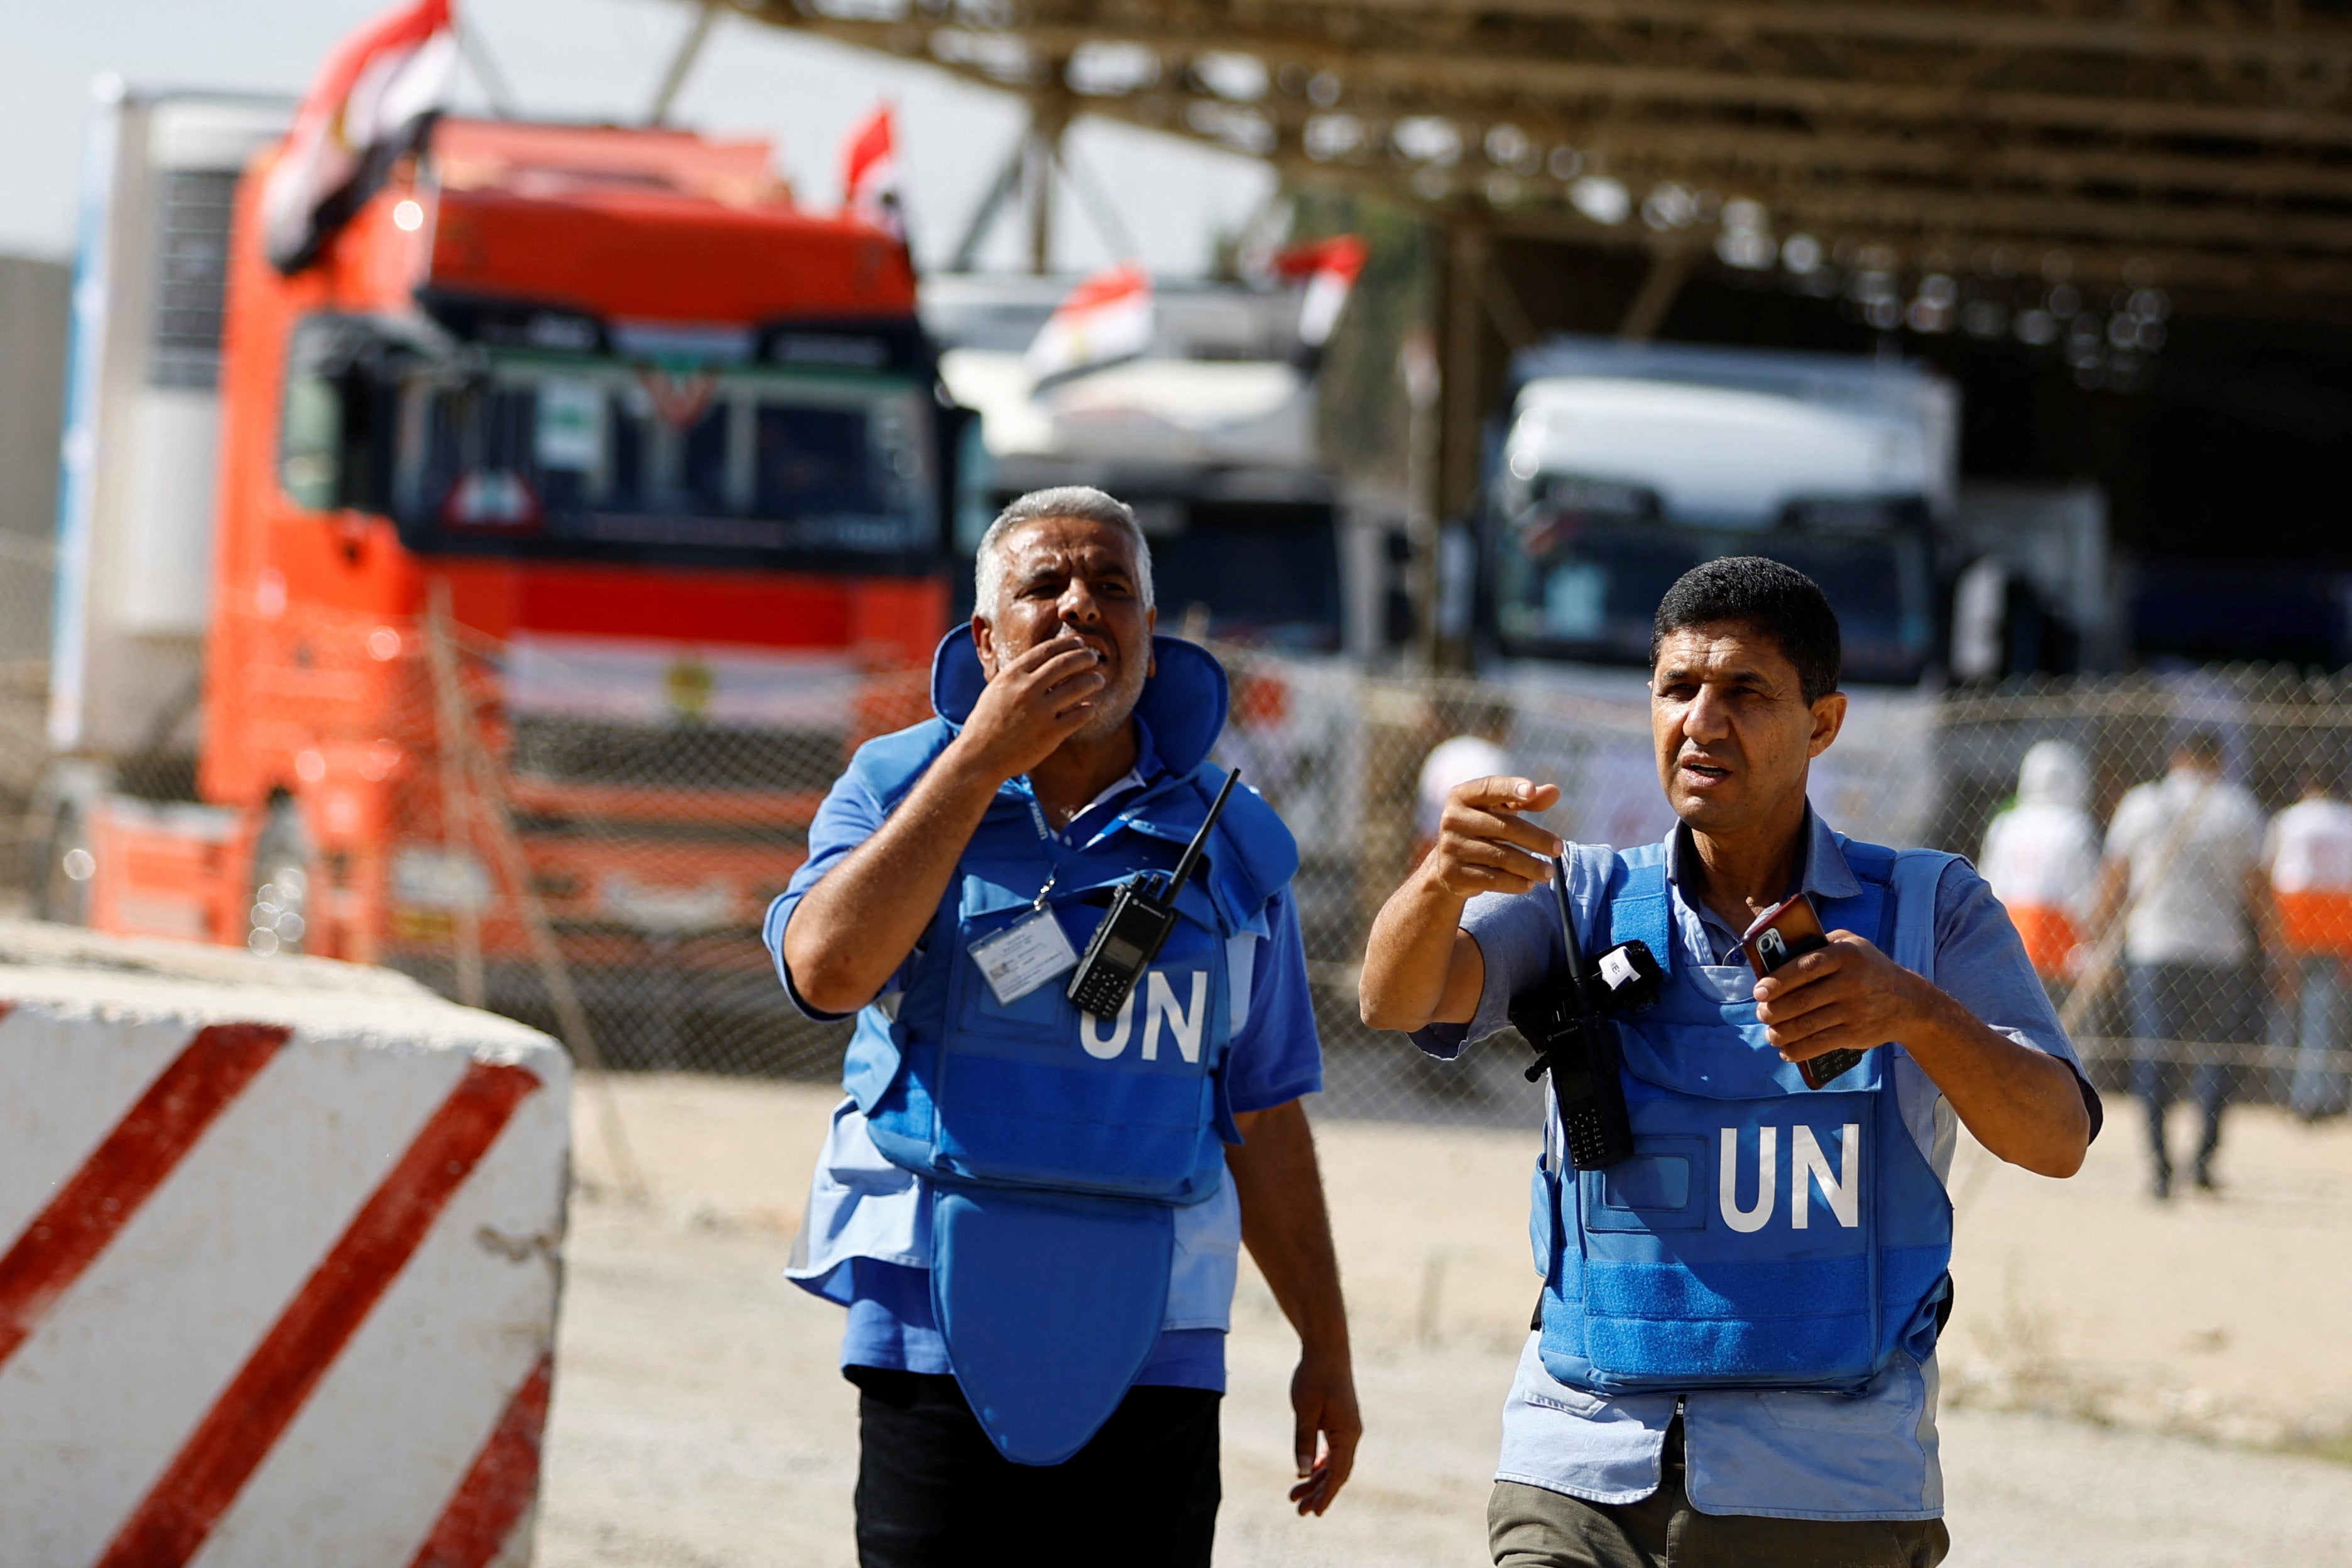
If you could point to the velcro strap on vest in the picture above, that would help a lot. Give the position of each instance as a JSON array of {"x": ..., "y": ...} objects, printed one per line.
[{"x": 1640, "y": 905}]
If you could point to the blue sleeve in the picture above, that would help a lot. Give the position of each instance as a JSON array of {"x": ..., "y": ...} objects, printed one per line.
[
  {"x": 847, "y": 819},
  {"x": 1276, "y": 1055},
  {"x": 1980, "y": 964},
  {"x": 1518, "y": 937}
]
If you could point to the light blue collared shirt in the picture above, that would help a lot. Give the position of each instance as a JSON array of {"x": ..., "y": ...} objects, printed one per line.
[{"x": 1795, "y": 1454}]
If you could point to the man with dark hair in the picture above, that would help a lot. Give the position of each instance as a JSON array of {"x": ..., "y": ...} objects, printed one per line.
[
  {"x": 1733, "y": 1359},
  {"x": 1754, "y": 590}
]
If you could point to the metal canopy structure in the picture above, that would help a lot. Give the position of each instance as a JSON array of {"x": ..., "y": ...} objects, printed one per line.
[{"x": 2188, "y": 145}]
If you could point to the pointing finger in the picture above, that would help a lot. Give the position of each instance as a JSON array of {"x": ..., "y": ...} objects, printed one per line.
[
  {"x": 1501, "y": 791},
  {"x": 1504, "y": 829}
]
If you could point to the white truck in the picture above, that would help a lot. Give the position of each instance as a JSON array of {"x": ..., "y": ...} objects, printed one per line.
[
  {"x": 1622, "y": 466},
  {"x": 136, "y": 484},
  {"x": 1209, "y": 433}
]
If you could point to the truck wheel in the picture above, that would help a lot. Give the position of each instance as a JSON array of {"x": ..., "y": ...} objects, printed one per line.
[{"x": 279, "y": 917}]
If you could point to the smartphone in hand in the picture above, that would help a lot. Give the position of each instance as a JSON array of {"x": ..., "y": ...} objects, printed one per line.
[{"x": 1780, "y": 935}]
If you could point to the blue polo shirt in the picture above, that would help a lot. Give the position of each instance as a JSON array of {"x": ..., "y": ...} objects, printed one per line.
[{"x": 864, "y": 1241}]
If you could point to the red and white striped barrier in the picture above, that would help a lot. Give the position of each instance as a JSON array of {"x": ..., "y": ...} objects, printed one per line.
[{"x": 278, "y": 1263}]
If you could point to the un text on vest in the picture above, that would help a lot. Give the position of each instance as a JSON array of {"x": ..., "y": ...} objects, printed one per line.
[{"x": 1840, "y": 1188}]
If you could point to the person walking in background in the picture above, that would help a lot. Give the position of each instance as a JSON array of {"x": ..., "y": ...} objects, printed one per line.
[
  {"x": 2308, "y": 854},
  {"x": 2184, "y": 872},
  {"x": 2041, "y": 857}
]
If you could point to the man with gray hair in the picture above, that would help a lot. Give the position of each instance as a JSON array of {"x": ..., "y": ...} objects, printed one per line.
[{"x": 1034, "y": 1210}]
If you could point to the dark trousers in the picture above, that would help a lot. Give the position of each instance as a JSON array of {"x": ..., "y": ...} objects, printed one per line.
[
  {"x": 1528, "y": 1527},
  {"x": 933, "y": 1492},
  {"x": 2193, "y": 1003},
  {"x": 2318, "y": 1086}
]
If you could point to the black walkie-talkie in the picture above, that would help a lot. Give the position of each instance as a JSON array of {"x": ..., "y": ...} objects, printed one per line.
[
  {"x": 1579, "y": 1045},
  {"x": 1139, "y": 918}
]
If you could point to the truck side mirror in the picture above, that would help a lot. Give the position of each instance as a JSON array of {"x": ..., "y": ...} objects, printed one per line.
[
  {"x": 342, "y": 396},
  {"x": 1398, "y": 622},
  {"x": 310, "y": 440},
  {"x": 969, "y": 474}
]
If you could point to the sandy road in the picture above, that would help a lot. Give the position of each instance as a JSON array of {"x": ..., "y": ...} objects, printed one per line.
[{"x": 699, "y": 1419}]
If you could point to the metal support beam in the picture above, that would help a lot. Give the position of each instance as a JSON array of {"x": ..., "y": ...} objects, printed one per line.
[
  {"x": 1670, "y": 268},
  {"x": 690, "y": 49},
  {"x": 1432, "y": 66},
  {"x": 2200, "y": 167},
  {"x": 1464, "y": 360},
  {"x": 492, "y": 80},
  {"x": 1049, "y": 116},
  {"x": 1101, "y": 211},
  {"x": 2140, "y": 35},
  {"x": 984, "y": 217}
]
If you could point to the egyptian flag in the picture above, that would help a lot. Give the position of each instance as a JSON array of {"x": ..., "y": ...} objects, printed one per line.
[
  {"x": 869, "y": 176},
  {"x": 1330, "y": 268},
  {"x": 372, "y": 102},
  {"x": 1106, "y": 319}
]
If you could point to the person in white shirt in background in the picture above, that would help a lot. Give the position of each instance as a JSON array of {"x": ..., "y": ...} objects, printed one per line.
[
  {"x": 2309, "y": 855},
  {"x": 1450, "y": 764},
  {"x": 2041, "y": 857},
  {"x": 2195, "y": 935},
  {"x": 1476, "y": 754}
]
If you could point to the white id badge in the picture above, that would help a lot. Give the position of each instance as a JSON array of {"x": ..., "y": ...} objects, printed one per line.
[{"x": 1024, "y": 956}]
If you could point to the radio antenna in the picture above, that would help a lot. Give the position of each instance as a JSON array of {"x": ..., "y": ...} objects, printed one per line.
[
  {"x": 1568, "y": 934},
  {"x": 1192, "y": 850}
]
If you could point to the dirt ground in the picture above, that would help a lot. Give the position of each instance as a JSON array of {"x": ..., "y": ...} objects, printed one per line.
[{"x": 2121, "y": 1377}]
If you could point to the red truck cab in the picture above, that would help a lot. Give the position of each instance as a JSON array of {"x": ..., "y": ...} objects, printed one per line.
[{"x": 670, "y": 450}]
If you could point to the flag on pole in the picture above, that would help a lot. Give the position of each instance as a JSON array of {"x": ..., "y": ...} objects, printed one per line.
[
  {"x": 869, "y": 175},
  {"x": 1106, "y": 319},
  {"x": 1330, "y": 268},
  {"x": 367, "y": 105}
]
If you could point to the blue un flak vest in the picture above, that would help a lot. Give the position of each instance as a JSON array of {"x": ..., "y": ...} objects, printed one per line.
[
  {"x": 1762, "y": 1235},
  {"x": 1058, "y": 1144}
]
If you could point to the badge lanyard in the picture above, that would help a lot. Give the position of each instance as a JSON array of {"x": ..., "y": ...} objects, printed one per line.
[{"x": 1032, "y": 950}]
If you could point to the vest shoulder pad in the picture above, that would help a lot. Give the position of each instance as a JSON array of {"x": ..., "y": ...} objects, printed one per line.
[
  {"x": 1868, "y": 862},
  {"x": 1265, "y": 856},
  {"x": 1911, "y": 877},
  {"x": 1878, "y": 863},
  {"x": 888, "y": 765}
]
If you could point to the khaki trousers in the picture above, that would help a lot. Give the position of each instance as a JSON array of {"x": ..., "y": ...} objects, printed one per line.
[{"x": 1528, "y": 1527}]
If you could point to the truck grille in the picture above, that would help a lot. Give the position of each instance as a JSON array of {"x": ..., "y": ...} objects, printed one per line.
[
  {"x": 193, "y": 207},
  {"x": 579, "y": 751}
]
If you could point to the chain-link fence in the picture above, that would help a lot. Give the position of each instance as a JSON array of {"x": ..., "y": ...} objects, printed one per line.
[
  {"x": 2222, "y": 985},
  {"x": 584, "y": 835},
  {"x": 1343, "y": 755},
  {"x": 26, "y": 590}
]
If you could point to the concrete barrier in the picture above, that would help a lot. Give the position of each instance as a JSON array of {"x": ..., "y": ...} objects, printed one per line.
[{"x": 279, "y": 1254}]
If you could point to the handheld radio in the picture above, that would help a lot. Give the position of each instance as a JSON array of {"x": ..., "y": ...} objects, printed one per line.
[
  {"x": 1139, "y": 921},
  {"x": 1578, "y": 1044}
]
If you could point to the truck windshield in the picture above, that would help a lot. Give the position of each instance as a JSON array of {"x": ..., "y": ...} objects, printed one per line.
[
  {"x": 1573, "y": 584},
  {"x": 1267, "y": 573},
  {"x": 562, "y": 456}
]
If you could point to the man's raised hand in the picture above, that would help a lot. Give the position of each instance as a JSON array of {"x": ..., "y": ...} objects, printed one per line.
[
  {"x": 1483, "y": 843},
  {"x": 1846, "y": 996},
  {"x": 1034, "y": 703}
]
